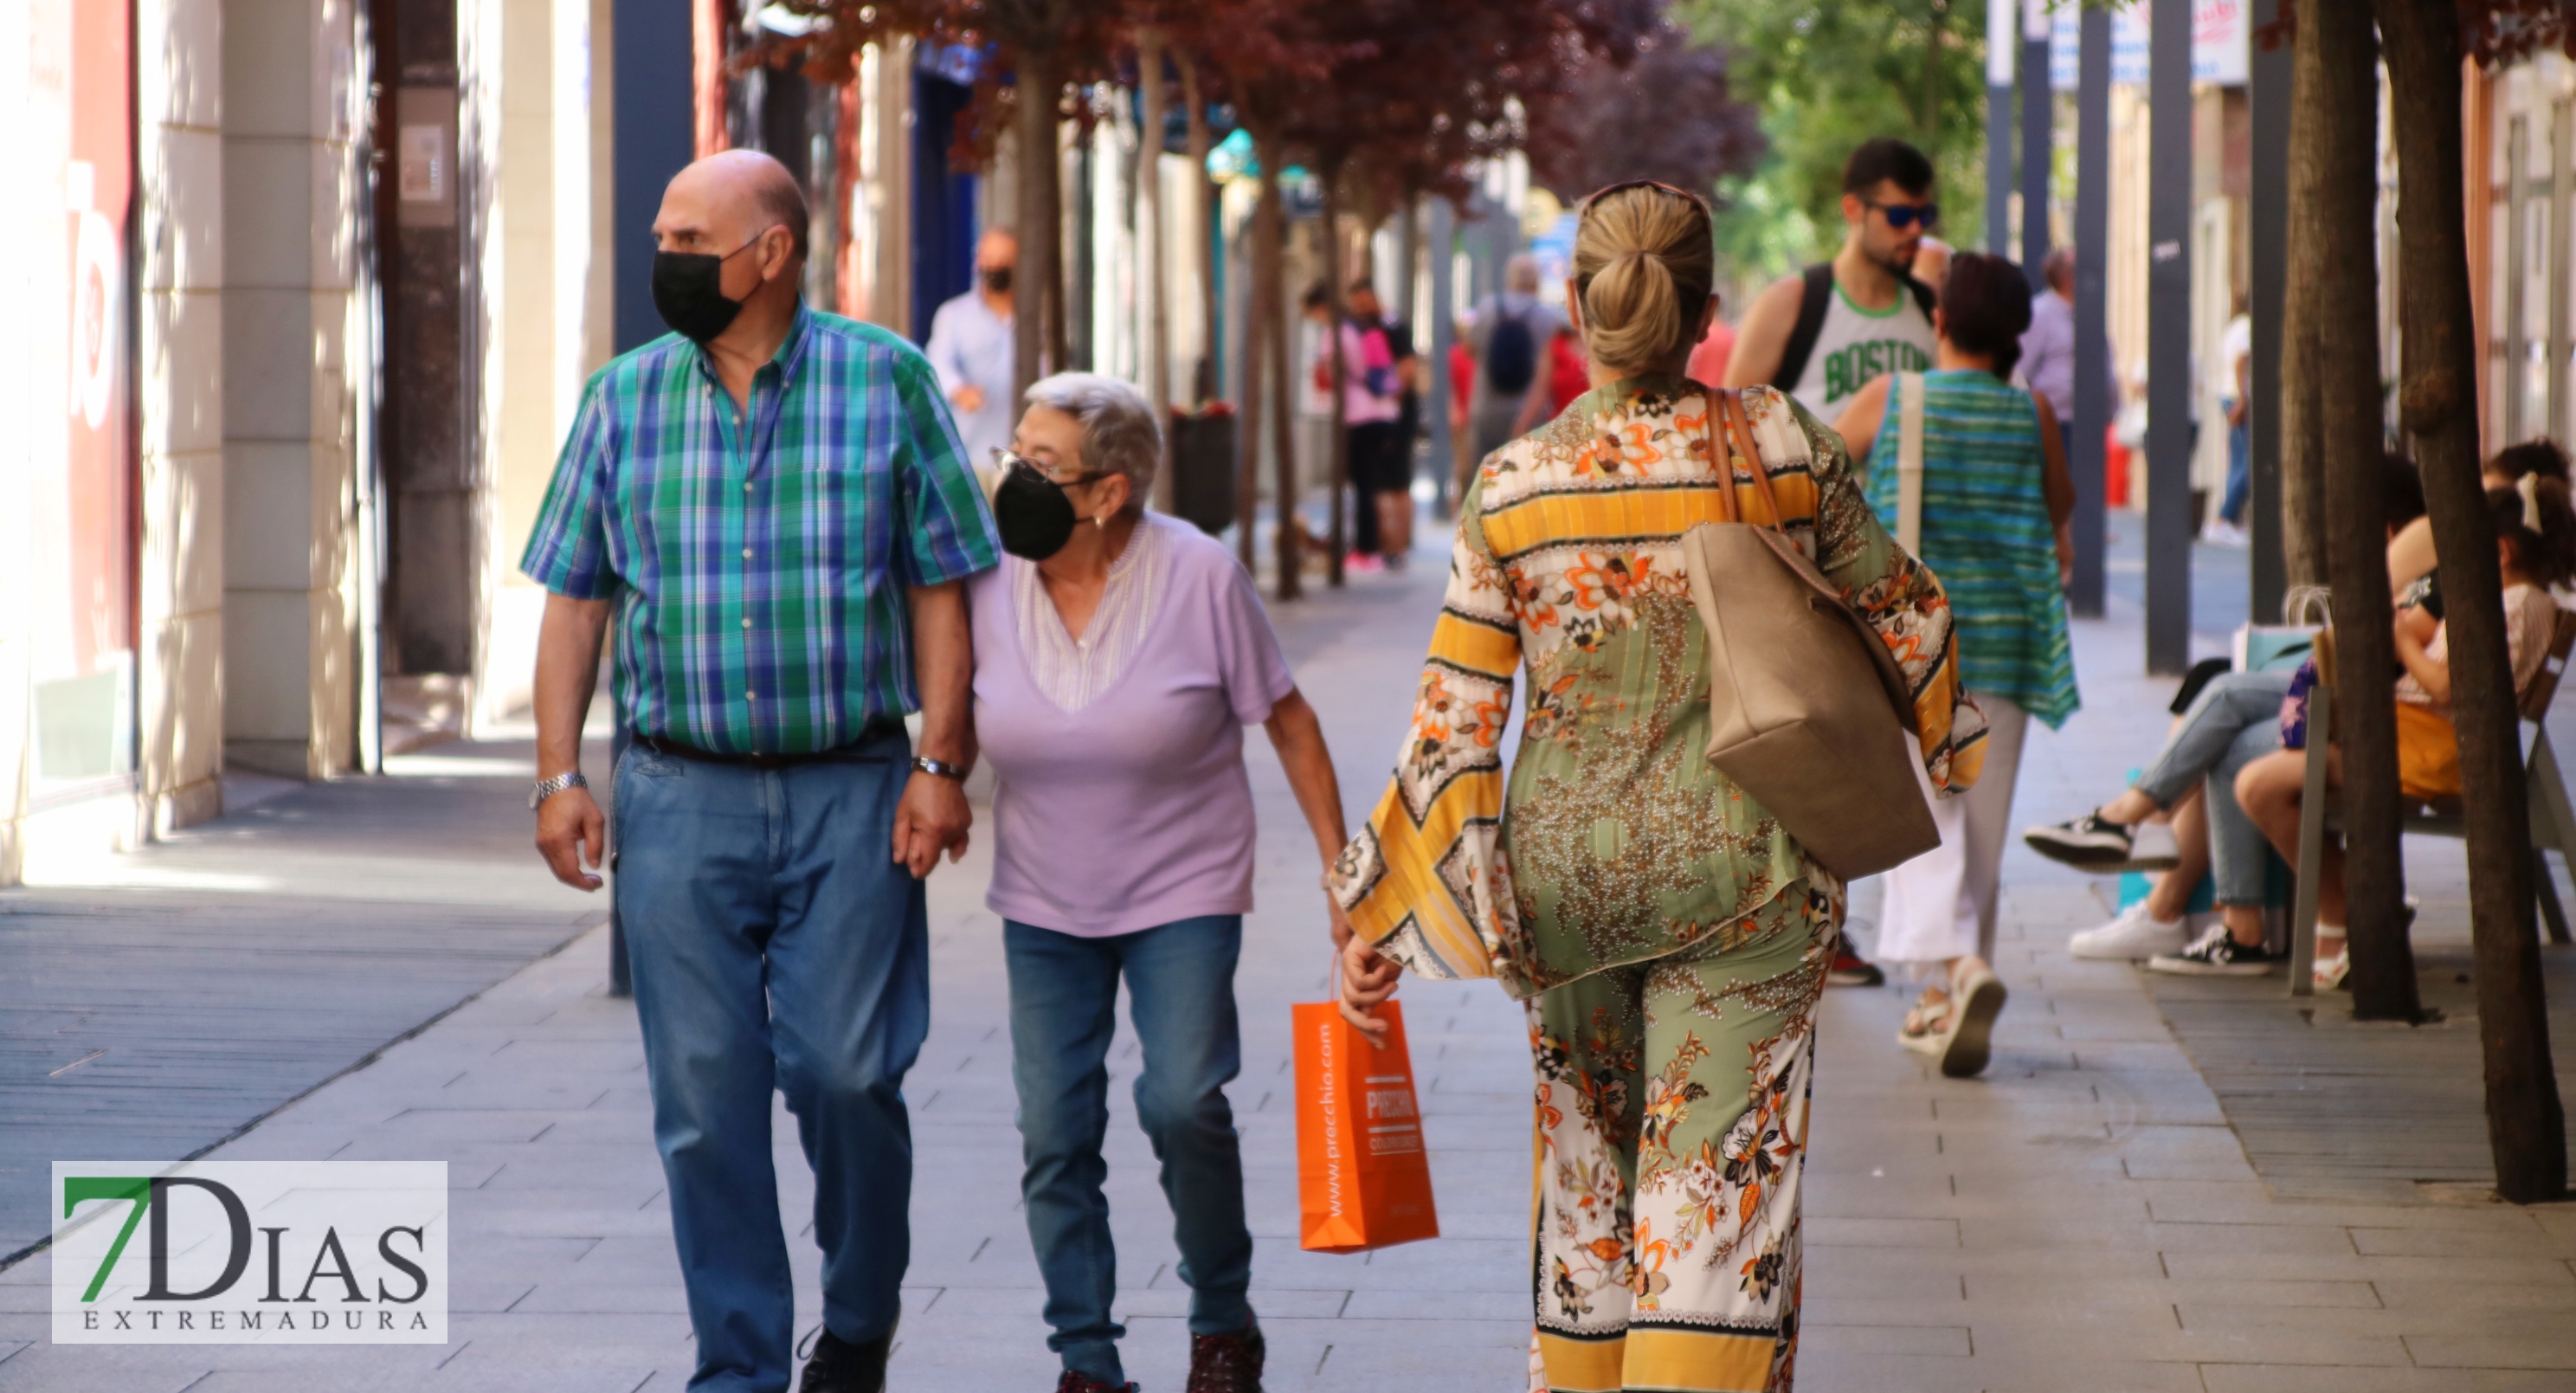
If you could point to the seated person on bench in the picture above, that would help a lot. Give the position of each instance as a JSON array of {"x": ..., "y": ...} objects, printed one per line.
[
  {"x": 2233, "y": 721},
  {"x": 2536, "y": 541}
]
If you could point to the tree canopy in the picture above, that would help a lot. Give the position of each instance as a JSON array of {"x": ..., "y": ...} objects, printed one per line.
[
  {"x": 1670, "y": 115},
  {"x": 1827, "y": 75}
]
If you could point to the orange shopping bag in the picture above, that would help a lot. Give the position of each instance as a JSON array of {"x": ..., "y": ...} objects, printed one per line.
[{"x": 1362, "y": 1178}]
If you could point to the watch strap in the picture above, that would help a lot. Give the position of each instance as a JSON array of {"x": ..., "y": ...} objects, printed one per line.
[{"x": 939, "y": 768}]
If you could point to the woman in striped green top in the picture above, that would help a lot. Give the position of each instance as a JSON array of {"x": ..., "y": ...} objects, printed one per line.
[{"x": 1990, "y": 518}]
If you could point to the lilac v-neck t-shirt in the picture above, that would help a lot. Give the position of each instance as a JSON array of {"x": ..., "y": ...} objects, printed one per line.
[{"x": 1135, "y": 810}]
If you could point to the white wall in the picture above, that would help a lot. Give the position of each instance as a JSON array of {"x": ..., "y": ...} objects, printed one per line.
[{"x": 540, "y": 73}]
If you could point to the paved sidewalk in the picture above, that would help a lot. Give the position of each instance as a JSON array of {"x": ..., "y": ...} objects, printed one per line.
[
  {"x": 2080, "y": 1219},
  {"x": 151, "y": 1006}
]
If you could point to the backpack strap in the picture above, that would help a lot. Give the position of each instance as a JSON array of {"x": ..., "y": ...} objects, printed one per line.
[
  {"x": 1814, "y": 297},
  {"x": 1924, "y": 296},
  {"x": 1908, "y": 391}
]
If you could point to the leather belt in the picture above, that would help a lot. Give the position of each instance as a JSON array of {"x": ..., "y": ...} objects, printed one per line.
[{"x": 866, "y": 747}]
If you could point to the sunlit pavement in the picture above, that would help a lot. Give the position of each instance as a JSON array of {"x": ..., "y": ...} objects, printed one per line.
[{"x": 2081, "y": 1218}]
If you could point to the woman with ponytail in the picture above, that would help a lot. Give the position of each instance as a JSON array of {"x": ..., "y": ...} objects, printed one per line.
[
  {"x": 1667, "y": 937},
  {"x": 1991, "y": 506}
]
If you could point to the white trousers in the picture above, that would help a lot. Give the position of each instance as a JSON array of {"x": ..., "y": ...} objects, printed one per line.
[{"x": 1941, "y": 904}]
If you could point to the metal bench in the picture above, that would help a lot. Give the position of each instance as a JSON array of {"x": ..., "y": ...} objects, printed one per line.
[{"x": 2553, "y": 820}]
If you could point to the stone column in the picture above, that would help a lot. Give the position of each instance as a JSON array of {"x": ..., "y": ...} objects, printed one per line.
[
  {"x": 290, "y": 198},
  {"x": 179, "y": 380}
]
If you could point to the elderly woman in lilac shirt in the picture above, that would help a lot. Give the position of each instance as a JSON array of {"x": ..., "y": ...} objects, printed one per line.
[{"x": 1118, "y": 656}]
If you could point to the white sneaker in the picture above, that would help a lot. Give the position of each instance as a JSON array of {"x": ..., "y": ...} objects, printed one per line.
[
  {"x": 2152, "y": 847},
  {"x": 2218, "y": 531},
  {"x": 2133, "y": 937}
]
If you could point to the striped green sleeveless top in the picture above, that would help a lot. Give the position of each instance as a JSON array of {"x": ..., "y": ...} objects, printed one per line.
[{"x": 1986, "y": 534}]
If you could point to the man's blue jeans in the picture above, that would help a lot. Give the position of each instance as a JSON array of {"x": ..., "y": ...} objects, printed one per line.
[
  {"x": 776, "y": 944},
  {"x": 2234, "y": 721},
  {"x": 1064, "y": 997}
]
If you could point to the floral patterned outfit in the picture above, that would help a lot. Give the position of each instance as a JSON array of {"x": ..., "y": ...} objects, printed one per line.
[{"x": 1669, "y": 937}]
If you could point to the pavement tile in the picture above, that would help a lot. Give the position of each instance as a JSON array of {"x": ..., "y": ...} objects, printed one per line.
[
  {"x": 2535, "y": 1272},
  {"x": 2284, "y": 1378},
  {"x": 2429, "y": 1241},
  {"x": 2546, "y": 1349}
]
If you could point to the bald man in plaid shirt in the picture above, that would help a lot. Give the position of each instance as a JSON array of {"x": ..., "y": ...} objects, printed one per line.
[{"x": 771, "y": 511}]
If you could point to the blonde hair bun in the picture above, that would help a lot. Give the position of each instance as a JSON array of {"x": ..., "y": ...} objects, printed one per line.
[{"x": 1644, "y": 259}]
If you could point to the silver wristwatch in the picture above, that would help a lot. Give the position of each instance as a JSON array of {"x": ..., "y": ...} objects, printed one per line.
[{"x": 548, "y": 788}]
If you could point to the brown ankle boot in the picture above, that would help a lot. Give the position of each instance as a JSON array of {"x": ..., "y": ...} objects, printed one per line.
[{"x": 1226, "y": 1363}]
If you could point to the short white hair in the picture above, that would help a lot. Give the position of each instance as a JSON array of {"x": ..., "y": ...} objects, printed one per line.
[{"x": 1119, "y": 432}]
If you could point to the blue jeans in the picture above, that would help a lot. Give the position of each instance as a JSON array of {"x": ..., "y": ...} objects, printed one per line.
[
  {"x": 1064, "y": 997},
  {"x": 2240, "y": 475},
  {"x": 776, "y": 943},
  {"x": 2234, "y": 721}
]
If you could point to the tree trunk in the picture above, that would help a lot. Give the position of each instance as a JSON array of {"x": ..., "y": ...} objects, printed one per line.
[
  {"x": 1247, "y": 443},
  {"x": 1203, "y": 377},
  {"x": 2303, "y": 453},
  {"x": 1149, "y": 210},
  {"x": 2437, "y": 404},
  {"x": 2334, "y": 196},
  {"x": 1408, "y": 244},
  {"x": 1264, "y": 319},
  {"x": 711, "y": 26},
  {"x": 1938, "y": 11},
  {"x": 1038, "y": 297},
  {"x": 1338, "y": 471}
]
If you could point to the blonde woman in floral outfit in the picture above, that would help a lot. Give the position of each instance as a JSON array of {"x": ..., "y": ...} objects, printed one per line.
[{"x": 1669, "y": 939}]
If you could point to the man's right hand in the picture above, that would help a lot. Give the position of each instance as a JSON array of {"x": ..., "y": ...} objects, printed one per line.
[
  {"x": 968, "y": 398},
  {"x": 571, "y": 834}
]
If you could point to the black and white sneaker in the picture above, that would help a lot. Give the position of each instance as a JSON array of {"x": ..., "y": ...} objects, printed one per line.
[
  {"x": 2217, "y": 954},
  {"x": 2095, "y": 843}
]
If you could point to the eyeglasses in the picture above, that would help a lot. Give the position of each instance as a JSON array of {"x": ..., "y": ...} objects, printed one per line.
[
  {"x": 1901, "y": 216},
  {"x": 1057, "y": 475}
]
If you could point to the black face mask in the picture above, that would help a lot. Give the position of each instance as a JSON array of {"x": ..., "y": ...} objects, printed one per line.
[
  {"x": 1034, "y": 516},
  {"x": 688, "y": 291},
  {"x": 997, "y": 279}
]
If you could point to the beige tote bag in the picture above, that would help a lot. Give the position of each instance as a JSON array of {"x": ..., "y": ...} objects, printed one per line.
[{"x": 1808, "y": 712}]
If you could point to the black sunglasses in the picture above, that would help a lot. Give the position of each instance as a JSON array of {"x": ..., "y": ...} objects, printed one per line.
[{"x": 1904, "y": 215}]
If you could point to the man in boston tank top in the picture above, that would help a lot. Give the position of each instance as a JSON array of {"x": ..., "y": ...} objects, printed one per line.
[{"x": 1823, "y": 334}]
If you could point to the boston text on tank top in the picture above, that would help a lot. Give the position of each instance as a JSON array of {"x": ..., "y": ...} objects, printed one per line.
[{"x": 1856, "y": 345}]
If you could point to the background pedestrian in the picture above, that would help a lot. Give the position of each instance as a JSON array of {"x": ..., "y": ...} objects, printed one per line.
[
  {"x": 970, "y": 344},
  {"x": 1994, "y": 509}
]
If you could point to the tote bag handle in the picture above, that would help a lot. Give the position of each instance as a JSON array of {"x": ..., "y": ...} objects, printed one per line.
[
  {"x": 1729, "y": 405},
  {"x": 1909, "y": 462}
]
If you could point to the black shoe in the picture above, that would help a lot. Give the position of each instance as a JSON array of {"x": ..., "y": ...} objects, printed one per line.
[
  {"x": 1850, "y": 969},
  {"x": 2217, "y": 954},
  {"x": 1226, "y": 1363},
  {"x": 1074, "y": 1382},
  {"x": 841, "y": 1367},
  {"x": 2090, "y": 842}
]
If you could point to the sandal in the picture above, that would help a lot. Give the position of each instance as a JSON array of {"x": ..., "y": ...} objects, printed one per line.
[
  {"x": 1927, "y": 1024},
  {"x": 2329, "y": 973},
  {"x": 1981, "y": 997}
]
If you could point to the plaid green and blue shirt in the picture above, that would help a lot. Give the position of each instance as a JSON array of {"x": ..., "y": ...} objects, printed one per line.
[{"x": 760, "y": 561}]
